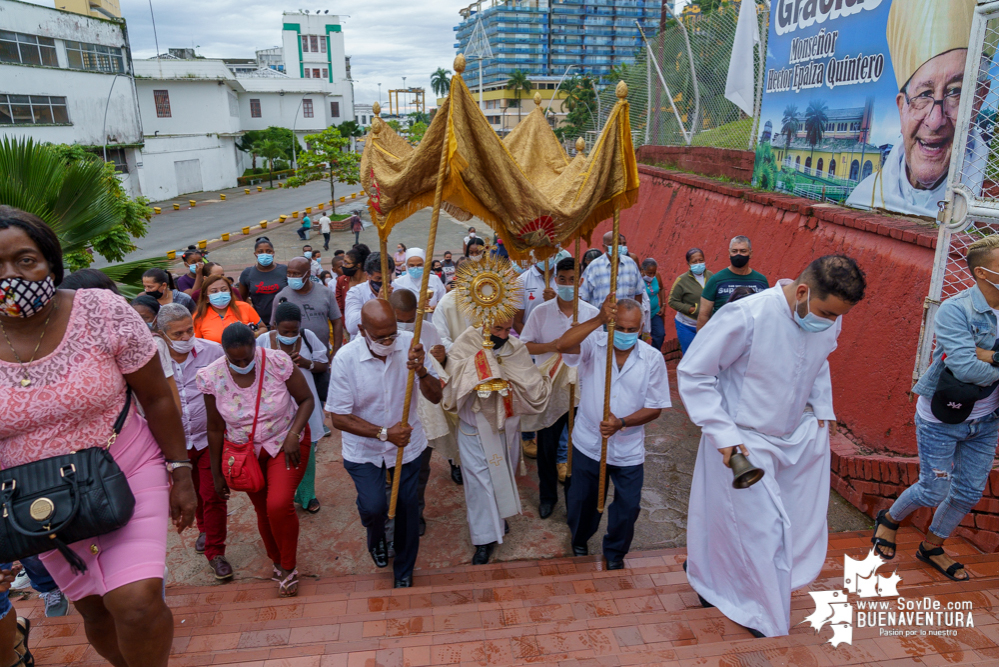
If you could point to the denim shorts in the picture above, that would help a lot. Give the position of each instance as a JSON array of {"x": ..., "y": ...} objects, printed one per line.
[{"x": 4, "y": 601}]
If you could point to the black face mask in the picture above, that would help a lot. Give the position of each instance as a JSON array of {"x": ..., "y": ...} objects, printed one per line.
[
  {"x": 497, "y": 341},
  {"x": 349, "y": 272},
  {"x": 158, "y": 294},
  {"x": 739, "y": 261},
  {"x": 376, "y": 287}
]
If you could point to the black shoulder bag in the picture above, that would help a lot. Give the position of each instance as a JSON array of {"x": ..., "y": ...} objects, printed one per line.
[{"x": 52, "y": 503}]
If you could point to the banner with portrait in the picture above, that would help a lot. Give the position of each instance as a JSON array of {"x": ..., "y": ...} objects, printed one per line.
[{"x": 860, "y": 100}]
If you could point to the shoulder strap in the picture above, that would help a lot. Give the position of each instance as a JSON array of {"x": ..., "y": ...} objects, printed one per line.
[
  {"x": 305, "y": 339},
  {"x": 119, "y": 423},
  {"x": 260, "y": 390}
]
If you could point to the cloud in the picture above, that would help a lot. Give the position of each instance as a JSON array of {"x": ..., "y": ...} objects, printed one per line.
[{"x": 386, "y": 39}]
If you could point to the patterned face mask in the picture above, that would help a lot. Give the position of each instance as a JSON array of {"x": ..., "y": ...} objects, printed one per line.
[{"x": 24, "y": 298}]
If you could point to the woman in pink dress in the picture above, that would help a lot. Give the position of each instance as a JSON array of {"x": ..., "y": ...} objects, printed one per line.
[{"x": 66, "y": 359}]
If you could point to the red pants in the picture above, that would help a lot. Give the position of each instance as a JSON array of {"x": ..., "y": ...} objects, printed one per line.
[
  {"x": 276, "y": 517},
  {"x": 211, "y": 513}
]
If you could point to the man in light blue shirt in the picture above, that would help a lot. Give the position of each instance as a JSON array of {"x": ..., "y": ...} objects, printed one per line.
[{"x": 596, "y": 279}]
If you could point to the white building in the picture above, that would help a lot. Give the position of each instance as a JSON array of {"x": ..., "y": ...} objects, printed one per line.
[
  {"x": 61, "y": 75},
  {"x": 313, "y": 48},
  {"x": 272, "y": 58},
  {"x": 363, "y": 113}
]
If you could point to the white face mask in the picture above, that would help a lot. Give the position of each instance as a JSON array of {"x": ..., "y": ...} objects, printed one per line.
[
  {"x": 182, "y": 346},
  {"x": 996, "y": 285},
  {"x": 406, "y": 326},
  {"x": 378, "y": 348},
  {"x": 475, "y": 258}
]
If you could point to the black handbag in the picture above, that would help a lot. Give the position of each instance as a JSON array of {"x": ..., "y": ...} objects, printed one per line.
[{"x": 52, "y": 503}]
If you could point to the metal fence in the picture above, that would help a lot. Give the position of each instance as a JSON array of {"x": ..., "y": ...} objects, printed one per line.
[{"x": 676, "y": 87}]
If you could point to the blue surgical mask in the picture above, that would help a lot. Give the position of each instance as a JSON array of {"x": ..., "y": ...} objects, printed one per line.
[
  {"x": 296, "y": 283},
  {"x": 697, "y": 269},
  {"x": 192, "y": 267},
  {"x": 307, "y": 254},
  {"x": 242, "y": 370},
  {"x": 415, "y": 272},
  {"x": 622, "y": 250},
  {"x": 811, "y": 323},
  {"x": 265, "y": 259},
  {"x": 150, "y": 325},
  {"x": 288, "y": 340},
  {"x": 625, "y": 341},
  {"x": 517, "y": 268},
  {"x": 220, "y": 299},
  {"x": 565, "y": 292}
]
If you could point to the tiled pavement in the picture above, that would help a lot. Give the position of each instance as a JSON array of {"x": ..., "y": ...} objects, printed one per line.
[{"x": 564, "y": 611}]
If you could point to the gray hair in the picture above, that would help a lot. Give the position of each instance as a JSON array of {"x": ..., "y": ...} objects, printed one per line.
[
  {"x": 741, "y": 239},
  {"x": 170, "y": 313},
  {"x": 625, "y": 305},
  {"x": 649, "y": 263}
]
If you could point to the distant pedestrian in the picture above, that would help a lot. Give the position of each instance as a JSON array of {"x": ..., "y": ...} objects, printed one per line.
[
  {"x": 656, "y": 295},
  {"x": 464, "y": 241},
  {"x": 448, "y": 267},
  {"x": 192, "y": 261},
  {"x": 685, "y": 297},
  {"x": 324, "y": 227},
  {"x": 356, "y": 226},
  {"x": 595, "y": 285},
  {"x": 720, "y": 286},
  {"x": 260, "y": 282},
  {"x": 159, "y": 285},
  {"x": 304, "y": 229},
  {"x": 400, "y": 259}
]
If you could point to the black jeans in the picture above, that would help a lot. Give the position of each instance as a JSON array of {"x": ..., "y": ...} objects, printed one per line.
[
  {"x": 326, "y": 240},
  {"x": 357, "y": 238},
  {"x": 621, "y": 514},
  {"x": 548, "y": 460}
]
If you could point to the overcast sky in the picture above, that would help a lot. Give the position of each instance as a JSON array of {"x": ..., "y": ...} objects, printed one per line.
[{"x": 386, "y": 39}]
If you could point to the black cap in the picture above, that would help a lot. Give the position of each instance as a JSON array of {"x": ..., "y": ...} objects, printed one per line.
[{"x": 954, "y": 400}]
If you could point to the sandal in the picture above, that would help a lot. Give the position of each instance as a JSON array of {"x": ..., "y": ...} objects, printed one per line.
[
  {"x": 289, "y": 587},
  {"x": 926, "y": 556},
  {"x": 25, "y": 659},
  {"x": 880, "y": 542},
  {"x": 313, "y": 507}
]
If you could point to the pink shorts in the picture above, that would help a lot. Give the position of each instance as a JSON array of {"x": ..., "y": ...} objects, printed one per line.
[{"x": 137, "y": 551}]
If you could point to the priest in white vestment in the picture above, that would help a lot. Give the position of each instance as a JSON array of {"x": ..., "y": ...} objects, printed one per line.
[
  {"x": 491, "y": 388},
  {"x": 757, "y": 377}
]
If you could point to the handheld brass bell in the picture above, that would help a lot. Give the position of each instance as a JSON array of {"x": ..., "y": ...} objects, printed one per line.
[{"x": 744, "y": 472}]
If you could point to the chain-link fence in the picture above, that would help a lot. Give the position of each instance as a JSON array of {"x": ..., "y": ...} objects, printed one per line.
[{"x": 678, "y": 97}]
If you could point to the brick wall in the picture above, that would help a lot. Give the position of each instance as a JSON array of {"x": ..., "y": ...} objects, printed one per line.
[{"x": 733, "y": 164}]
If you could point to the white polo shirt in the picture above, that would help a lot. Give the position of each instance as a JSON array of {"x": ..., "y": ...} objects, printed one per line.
[
  {"x": 531, "y": 290},
  {"x": 357, "y": 296},
  {"x": 374, "y": 390},
  {"x": 642, "y": 383},
  {"x": 547, "y": 324}
]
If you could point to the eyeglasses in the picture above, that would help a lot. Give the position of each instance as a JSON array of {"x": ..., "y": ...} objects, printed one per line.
[
  {"x": 387, "y": 340},
  {"x": 924, "y": 102}
]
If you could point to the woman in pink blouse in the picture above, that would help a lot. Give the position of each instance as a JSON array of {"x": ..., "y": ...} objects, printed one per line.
[
  {"x": 66, "y": 359},
  {"x": 282, "y": 433}
]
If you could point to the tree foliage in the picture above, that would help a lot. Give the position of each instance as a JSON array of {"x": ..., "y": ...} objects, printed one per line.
[
  {"x": 416, "y": 132},
  {"x": 281, "y": 135},
  {"x": 270, "y": 150},
  {"x": 580, "y": 100},
  {"x": 519, "y": 83},
  {"x": 331, "y": 149}
]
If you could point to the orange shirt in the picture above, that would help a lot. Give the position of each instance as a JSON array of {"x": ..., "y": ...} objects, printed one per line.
[{"x": 211, "y": 326}]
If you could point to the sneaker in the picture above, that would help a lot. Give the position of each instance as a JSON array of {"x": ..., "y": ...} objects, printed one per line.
[
  {"x": 530, "y": 448},
  {"x": 56, "y": 603},
  {"x": 563, "y": 471},
  {"x": 21, "y": 581}
]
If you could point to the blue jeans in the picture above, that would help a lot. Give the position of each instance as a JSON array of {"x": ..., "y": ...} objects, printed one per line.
[
  {"x": 563, "y": 446},
  {"x": 40, "y": 579},
  {"x": 4, "y": 601},
  {"x": 954, "y": 465},
  {"x": 685, "y": 334},
  {"x": 658, "y": 332}
]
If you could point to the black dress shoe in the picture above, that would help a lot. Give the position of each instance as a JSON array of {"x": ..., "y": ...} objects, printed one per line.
[
  {"x": 405, "y": 582},
  {"x": 482, "y": 553},
  {"x": 423, "y": 526},
  {"x": 616, "y": 564},
  {"x": 506, "y": 527},
  {"x": 704, "y": 603},
  {"x": 545, "y": 509},
  {"x": 456, "y": 474},
  {"x": 380, "y": 554},
  {"x": 580, "y": 550},
  {"x": 756, "y": 633}
]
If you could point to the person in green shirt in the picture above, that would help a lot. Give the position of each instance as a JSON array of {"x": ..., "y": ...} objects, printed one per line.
[{"x": 719, "y": 287}]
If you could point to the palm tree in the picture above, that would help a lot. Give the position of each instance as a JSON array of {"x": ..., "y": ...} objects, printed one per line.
[
  {"x": 245, "y": 144},
  {"x": 440, "y": 82},
  {"x": 789, "y": 126},
  {"x": 270, "y": 150},
  {"x": 815, "y": 123},
  {"x": 619, "y": 73},
  {"x": 518, "y": 82}
]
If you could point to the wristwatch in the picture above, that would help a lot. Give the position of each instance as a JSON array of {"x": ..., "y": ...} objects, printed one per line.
[
  {"x": 174, "y": 465},
  {"x": 995, "y": 358},
  {"x": 383, "y": 434}
]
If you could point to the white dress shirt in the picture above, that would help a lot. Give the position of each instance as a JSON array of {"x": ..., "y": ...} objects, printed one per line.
[
  {"x": 374, "y": 390},
  {"x": 357, "y": 296},
  {"x": 641, "y": 383},
  {"x": 531, "y": 288},
  {"x": 547, "y": 324},
  {"x": 405, "y": 281}
]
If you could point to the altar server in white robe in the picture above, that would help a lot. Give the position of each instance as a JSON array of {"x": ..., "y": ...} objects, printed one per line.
[
  {"x": 448, "y": 319},
  {"x": 358, "y": 295},
  {"x": 491, "y": 388},
  {"x": 412, "y": 277},
  {"x": 757, "y": 378}
]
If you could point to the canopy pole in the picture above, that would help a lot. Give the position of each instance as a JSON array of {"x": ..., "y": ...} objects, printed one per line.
[
  {"x": 421, "y": 310},
  {"x": 602, "y": 489},
  {"x": 572, "y": 387}
]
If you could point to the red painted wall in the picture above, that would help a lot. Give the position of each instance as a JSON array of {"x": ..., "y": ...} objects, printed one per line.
[{"x": 872, "y": 368}]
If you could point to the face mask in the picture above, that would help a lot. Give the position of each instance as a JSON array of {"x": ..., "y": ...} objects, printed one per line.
[
  {"x": 471, "y": 235},
  {"x": 150, "y": 325},
  {"x": 497, "y": 342},
  {"x": 811, "y": 323},
  {"x": 625, "y": 341},
  {"x": 182, "y": 346},
  {"x": 193, "y": 267},
  {"x": 415, "y": 272},
  {"x": 622, "y": 250},
  {"x": 307, "y": 254},
  {"x": 158, "y": 294},
  {"x": 288, "y": 340},
  {"x": 475, "y": 258},
  {"x": 24, "y": 298},
  {"x": 406, "y": 326},
  {"x": 296, "y": 283},
  {"x": 648, "y": 279},
  {"x": 220, "y": 299},
  {"x": 265, "y": 259},
  {"x": 448, "y": 262},
  {"x": 376, "y": 286},
  {"x": 697, "y": 269},
  {"x": 349, "y": 271},
  {"x": 378, "y": 348},
  {"x": 242, "y": 371},
  {"x": 517, "y": 268},
  {"x": 996, "y": 285},
  {"x": 565, "y": 292},
  {"x": 739, "y": 261}
]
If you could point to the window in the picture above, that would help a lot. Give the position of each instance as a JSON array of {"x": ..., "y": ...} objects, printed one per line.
[
  {"x": 315, "y": 43},
  {"x": 16, "y": 47},
  {"x": 307, "y": 109},
  {"x": 117, "y": 157},
  {"x": 305, "y": 43},
  {"x": 335, "y": 110},
  {"x": 162, "y": 99},
  {"x": 94, "y": 57},
  {"x": 326, "y": 73},
  {"x": 315, "y": 73},
  {"x": 832, "y": 167},
  {"x": 32, "y": 110},
  {"x": 233, "y": 105},
  {"x": 254, "y": 108},
  {"x": 308, "y": 73},
  {"x": 818, "y": 167},
  {"x": 322, "y": 44}
]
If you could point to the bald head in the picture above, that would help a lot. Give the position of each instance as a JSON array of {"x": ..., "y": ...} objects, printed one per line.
[
  {"x": 403, "y": 302},
  {"x": 299, "y": 267},
  {"x": 609, "y": 239}
]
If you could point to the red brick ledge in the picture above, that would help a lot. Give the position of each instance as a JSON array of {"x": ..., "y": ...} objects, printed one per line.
[
  {"x": 905, "y": 229},
  {"x": 871, "y": 483}
]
